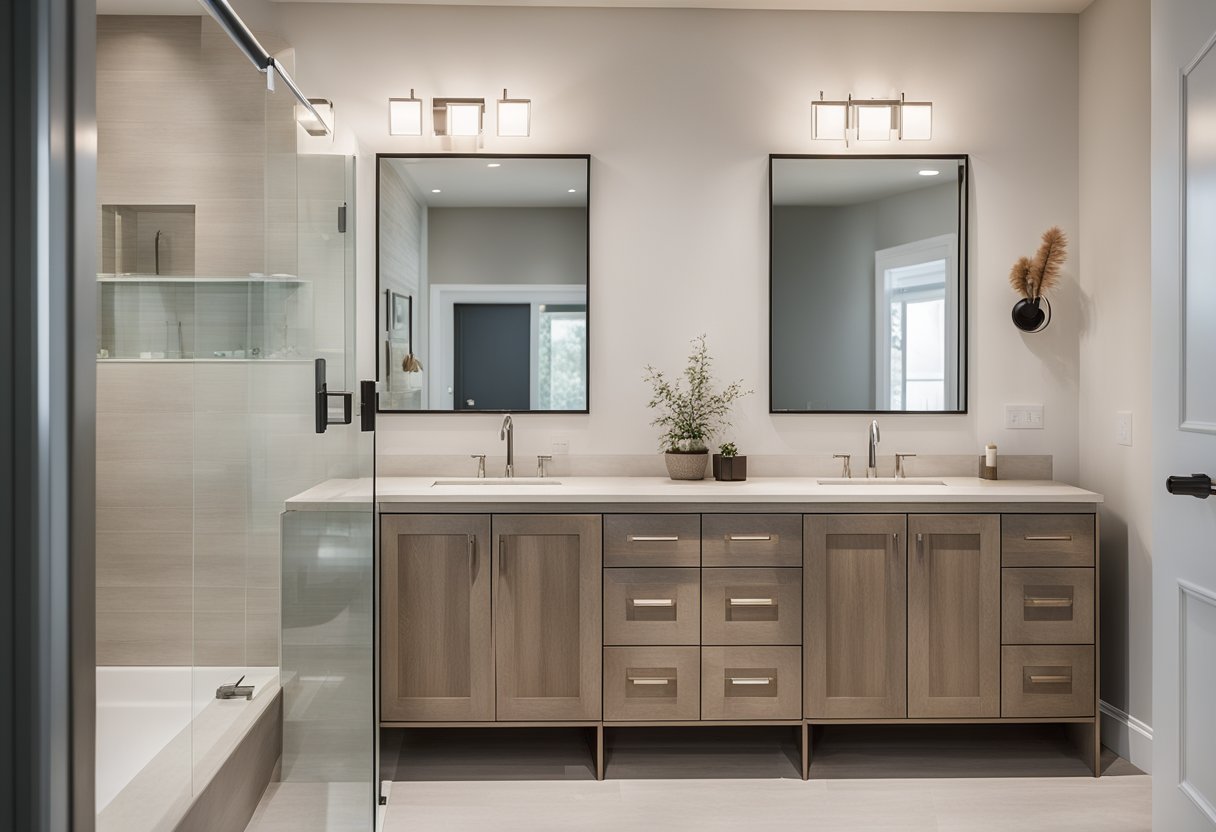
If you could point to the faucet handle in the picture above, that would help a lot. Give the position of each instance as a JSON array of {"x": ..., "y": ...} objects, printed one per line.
[
  {"x": 481, "y": 465},
  {"x": 900, "y": 473},
  {"x": 541, "y": 459},
  {"x": 846, "y": 466}
]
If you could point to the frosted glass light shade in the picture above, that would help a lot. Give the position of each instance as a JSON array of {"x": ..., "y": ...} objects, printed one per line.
[
  {"x": 829, "y": 120},
  {"x": 514, "y": 117},
  {"x": 873, "y": 122},
  {"x": 405, "y": 117},
  {"x": 916, "y": 122},
  {"x": 464, "y": 119}
]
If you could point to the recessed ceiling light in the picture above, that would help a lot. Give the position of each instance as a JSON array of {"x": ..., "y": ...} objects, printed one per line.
[
  {"x": 494, "y": 165},
  {"x": 436, "y": 191},
  {"x": 571, "y": 191},
  {"x": 929, "y": 172}
]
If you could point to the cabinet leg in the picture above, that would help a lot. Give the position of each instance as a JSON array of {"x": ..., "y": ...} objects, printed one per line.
[
  {"x": 805, "y": 731},
  {"x": 597, "y": 750},
  {"x": 1087, "y": 739}
]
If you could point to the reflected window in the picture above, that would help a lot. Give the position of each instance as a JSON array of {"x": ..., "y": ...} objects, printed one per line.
[
  {"x": 915, "y": 312},
  {"x": 563, "y": 357}
]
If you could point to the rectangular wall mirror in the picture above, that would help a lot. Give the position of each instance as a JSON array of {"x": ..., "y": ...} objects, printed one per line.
[
  {"x": 482, "y": 274},
  {"x": 868, "y": 284}
]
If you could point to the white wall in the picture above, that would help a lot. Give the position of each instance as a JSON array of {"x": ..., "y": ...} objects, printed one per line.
[
  {"x": 507, "y": 245},
  {"x": 1116, "y": 349},
  {"x": 679, "y": 109}
]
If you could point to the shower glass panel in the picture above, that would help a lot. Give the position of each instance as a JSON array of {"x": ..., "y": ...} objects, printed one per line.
[{"x": 224, "y": 274}]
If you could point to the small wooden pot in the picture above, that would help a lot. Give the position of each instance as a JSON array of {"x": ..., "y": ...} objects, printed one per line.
[
  {"x": 687, "y": 466},
  {"x": 730, "y": 468}
]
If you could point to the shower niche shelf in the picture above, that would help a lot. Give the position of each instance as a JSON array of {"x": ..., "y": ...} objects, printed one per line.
[{"x": 194, "y": 317}]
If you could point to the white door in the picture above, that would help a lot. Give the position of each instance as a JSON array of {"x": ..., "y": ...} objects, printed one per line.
[{"x": 1184, "y": 415}]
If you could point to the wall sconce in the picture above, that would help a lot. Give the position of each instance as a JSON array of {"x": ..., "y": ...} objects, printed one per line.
[
  {"x": 871, "y": 120},
  {"x": 405, "y": 116},
  {"x": 514, "y": 116},
  {"x": 318, "y": 121},
  {"x": 458, "y": 116}
]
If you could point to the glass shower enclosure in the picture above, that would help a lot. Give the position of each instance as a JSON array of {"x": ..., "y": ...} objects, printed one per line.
[{"x": 234, "y": 611}]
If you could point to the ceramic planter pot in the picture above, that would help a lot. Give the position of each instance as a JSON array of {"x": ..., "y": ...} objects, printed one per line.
[
  {"x": 1028, "y": 315},
  {"x": 730, "y": 468},
  {"x": 687, "y": 466}
]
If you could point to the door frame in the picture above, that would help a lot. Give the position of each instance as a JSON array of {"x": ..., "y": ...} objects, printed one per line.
[{"x": 47, "y": 480}]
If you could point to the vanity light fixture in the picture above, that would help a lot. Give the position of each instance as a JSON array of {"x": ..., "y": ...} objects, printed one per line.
[
  {"x": 405, "y": 116},
  {"x": 319, "y": 120},
  {"x": 514, "y": 116},
  {"x": 458, "y": 116},
  {"x": 874, "y": 119},
  {"x": 829, "y": 119}
]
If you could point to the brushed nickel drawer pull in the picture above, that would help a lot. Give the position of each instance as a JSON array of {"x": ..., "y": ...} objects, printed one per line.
[
  {"x": 643, "y": 680},
  {"x": 749, "y": 537},
  {"x": 1049, "y": 680},
  {"x": 1049, "y": 602},
  {"x": 653, "y": 538},
  {"x": 751, "y": 680},
  {"x": 1047, "y": 537},
  {"x": 653, "y": 602},
  {"x": 752, "y": 602}
]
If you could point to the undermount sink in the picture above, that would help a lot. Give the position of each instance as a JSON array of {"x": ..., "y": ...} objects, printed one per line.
[
  {"x": 498, "y": 481},
  {"x": 881, "y": 481}
]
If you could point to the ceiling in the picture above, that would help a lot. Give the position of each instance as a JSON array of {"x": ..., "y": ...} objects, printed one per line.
[
  {"x": 1025, "y": 6},
  {"x": 850, "y": 180},
  {"x": 516, "y": 183}
]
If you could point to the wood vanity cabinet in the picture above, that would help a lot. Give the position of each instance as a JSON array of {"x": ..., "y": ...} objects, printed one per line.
[
  {"x": 856, "y": 616},
  {"x": 547, "y": 616},
  {"x": 437, "y": 658},
  {"x": 954, "y": 615}
]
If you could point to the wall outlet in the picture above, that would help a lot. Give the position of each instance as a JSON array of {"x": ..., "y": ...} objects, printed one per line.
[
  {"x": 1123, "y": 427},
  {"x": 1024, "y": 416},
  {"x": 561, "y": 446}
]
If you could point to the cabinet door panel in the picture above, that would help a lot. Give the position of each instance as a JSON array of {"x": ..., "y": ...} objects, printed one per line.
[
  {"x": 856, "y": 616},
  {"x": 437, "y": 662},
  {"x": 954, "y": 623},
  {"x": 547, "y": 617}
]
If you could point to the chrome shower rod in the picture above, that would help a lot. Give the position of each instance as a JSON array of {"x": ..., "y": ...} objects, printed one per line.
[{"x": 245, "y": 40}]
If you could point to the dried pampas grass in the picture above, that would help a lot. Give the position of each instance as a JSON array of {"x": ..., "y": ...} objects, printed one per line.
[
  {"x": 1030, "y": 278},
  {"x": 411, "y": 364}
]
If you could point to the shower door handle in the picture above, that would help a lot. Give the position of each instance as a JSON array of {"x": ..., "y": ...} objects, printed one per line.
[
  {"x": 368, "y": 400},
  {"x": 322, "y": 397}
]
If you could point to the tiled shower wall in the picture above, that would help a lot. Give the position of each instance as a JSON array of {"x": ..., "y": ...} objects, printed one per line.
[{"x": 194, "y": 459}]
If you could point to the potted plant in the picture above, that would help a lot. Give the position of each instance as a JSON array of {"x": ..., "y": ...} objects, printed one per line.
[
  {"x": 690, "y": 412},
  {"x": 1033, "y": 277},
  {"x": 728, "y": 465}
]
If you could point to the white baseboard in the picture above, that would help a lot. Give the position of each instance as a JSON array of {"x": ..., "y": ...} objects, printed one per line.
[{"x": 1130, "y": 738}]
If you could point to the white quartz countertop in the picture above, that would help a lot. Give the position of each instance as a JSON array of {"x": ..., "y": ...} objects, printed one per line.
[{"x": 357, "y": 494}]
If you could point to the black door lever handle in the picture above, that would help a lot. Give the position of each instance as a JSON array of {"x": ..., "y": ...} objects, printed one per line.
[{"x": 1196, "y": 485}]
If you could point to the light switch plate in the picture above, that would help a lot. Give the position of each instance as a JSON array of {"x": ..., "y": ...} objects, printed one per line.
[
  {"x": 1123, "y": 427},
  {"x": 1024, "y": 416}
]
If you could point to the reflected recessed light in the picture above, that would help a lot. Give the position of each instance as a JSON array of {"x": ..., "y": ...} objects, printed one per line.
[
  {"x": 494, "y": 165},
  {"x": 436, "y": 191},
  {"x": 929, "y": 172},
  {"x": 572, "y": 190}
]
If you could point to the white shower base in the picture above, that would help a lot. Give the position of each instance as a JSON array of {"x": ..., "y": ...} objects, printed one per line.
[{"x": 170, "y": 715}]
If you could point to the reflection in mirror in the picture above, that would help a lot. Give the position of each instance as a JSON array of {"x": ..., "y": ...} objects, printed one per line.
[
  {"x": 868, "y": 284},
  {"x": 483, "y": 283}
]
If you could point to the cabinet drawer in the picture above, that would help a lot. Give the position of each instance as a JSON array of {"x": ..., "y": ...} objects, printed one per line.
[
  {"x": 652, "y": 683},
  {"x": 751, "y": 606},
  {"x": 1047, "y": 681},
  {"x": 751, "y": 540},
  {"x": 1047, "y": 540},
  {"x": 751, "y": 683},
  {"x": 652, "y": 606},
  {"x": 652, "y": 540},
  {"x": 1047, "y": 606}
]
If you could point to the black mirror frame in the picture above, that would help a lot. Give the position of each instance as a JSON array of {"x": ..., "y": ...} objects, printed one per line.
[{"x": 964, "y": 371}]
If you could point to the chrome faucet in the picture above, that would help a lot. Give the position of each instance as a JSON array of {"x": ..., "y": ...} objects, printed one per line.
[
  {"x": 872, "y": 461},
  {"x": 507, "y": 432},
  {"x": 235, "y": 690}
]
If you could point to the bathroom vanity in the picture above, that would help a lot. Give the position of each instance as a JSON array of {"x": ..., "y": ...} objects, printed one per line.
[{"x": 605, "y": 602}]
